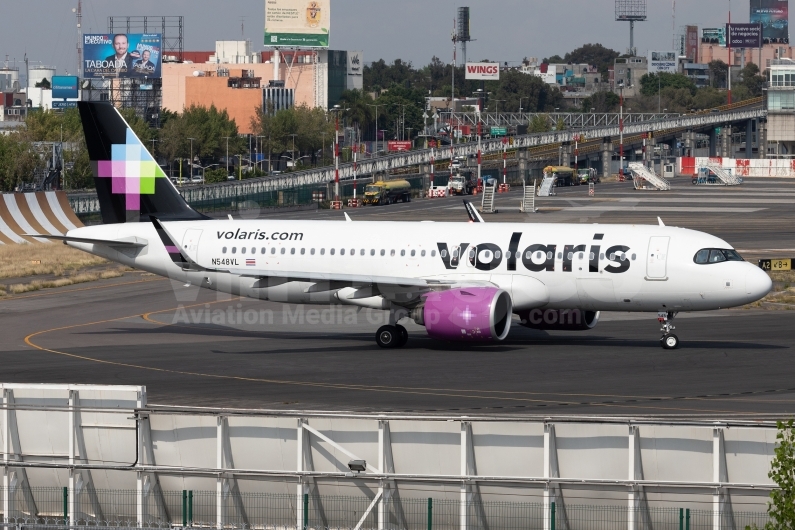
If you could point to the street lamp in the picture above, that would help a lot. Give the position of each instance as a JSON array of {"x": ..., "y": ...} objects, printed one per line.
[
  {"x": 263, "y": 151},
  {"x": 293, "y": 151},
  {"x": 191, "y": 158},
  {"x": 376, "y": 123},
  {"x": 497, "y": 106},
  {"x": 520, "y": 104},
  {"x": 227, "y": 153}
]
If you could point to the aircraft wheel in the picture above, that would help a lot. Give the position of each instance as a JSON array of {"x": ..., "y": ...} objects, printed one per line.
[
  {"x": 388, "y": 337},
  {"x": 669, "y": 341},
  {"x": 404, "y": 336}
]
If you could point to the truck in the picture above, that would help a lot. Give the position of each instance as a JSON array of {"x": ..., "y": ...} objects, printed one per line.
[
  {"x": 387, "y": 192},
  {"x": 461, "y": 184},
  {"x": 564, "y": 176},
  {"x": 586, "y": 176}
]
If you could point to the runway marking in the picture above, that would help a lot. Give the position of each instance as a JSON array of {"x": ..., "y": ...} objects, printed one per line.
[
  {"x": 54, "y": 292},
  {"x": 341, "y": 386}
]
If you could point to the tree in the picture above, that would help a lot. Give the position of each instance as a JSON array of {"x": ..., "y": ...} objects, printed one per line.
[
  {"x": 539, "y": 123},
  {"x": 601, "y": 102},
  {"x": 652, "y": 84},
  {"x": 44, "y": 83},
  {"x": 752, "y": 81},
  {"x": 718, "y": 72},
  {"x": 782, "y": 471},
  {"x": 357, "y": 109},
  {"x": 594, "y": 54},
  {"x": 536, "y": 96}
]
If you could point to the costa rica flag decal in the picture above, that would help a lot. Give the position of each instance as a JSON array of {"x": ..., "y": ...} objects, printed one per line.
[{"x": 251, "y": 262}]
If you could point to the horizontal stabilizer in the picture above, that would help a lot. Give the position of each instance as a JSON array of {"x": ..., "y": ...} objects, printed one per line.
[
  {"x": 130, "y": 242},
  {"x": 474, "y": 215}
]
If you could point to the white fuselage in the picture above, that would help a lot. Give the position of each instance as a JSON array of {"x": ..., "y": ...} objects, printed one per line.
[{"x": 554, "y": 266}]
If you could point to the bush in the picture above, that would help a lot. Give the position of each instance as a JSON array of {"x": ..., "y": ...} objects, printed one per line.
[{"x": 214, "y": 176}]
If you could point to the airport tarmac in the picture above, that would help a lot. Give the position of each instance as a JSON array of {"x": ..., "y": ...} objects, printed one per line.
[{"x": 196, "y": 347}]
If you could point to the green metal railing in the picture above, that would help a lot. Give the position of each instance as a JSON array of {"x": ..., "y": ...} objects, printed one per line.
[{"x": 274, "y": 511}]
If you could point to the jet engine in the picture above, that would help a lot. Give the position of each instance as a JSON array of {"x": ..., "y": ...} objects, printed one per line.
[
  {"x": 475, "y": 314},
  {"x": 559, "y": 319}
]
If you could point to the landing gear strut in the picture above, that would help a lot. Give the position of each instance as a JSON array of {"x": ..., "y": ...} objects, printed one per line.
[{"x": 668, "y": 341}]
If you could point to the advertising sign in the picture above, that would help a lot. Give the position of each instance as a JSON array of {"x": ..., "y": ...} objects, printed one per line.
[
  {"x": 122, "y": 55},
  {"x": 483, "y": 71},
  {"x": 691, "y": 43},
  {"x": 64, "y": 104},
  {"x": 714, "y": 36},
  {"x": 398, "y": 145},
  {"x": 64, "y": 87},
  {"x": 664, "y": 61},
  {"x": 773, "y": 15},
  {"x": 302, "y": 23},
  {"x": 744, "y": 35}
]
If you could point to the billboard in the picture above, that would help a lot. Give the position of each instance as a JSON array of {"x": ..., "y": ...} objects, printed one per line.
[
  {"x": 714, "y": 36},
  {"x": 744, "y": 35},
  {"x": 122, "y": 55},
  {"x": 691, "y": 43},
  {"x": 398, "y": 145},
  {"x": 483, "y": 71},
  {"x": 664, "y": 61},
  {"x": 301, "y": 23},
  {"x": 64, "y": 87},
  {"x": 773, "y": 15}
]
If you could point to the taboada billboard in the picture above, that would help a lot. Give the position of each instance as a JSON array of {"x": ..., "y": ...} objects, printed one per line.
[
  {"x": 122, "y": 55},
  {"x": 300, "y": 23},
  {"x": 483, "y": 71}
]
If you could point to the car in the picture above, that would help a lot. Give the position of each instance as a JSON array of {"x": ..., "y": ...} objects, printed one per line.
[
  {"x": 231, "y": 177},
  {"x": 196, "y": 179}
]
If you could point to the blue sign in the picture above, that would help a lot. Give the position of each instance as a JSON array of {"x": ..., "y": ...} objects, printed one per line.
[
  {"x": 64, "y": 104},
  {"x": 122, "y": 55},
  {"x": 64, "y": 87}
]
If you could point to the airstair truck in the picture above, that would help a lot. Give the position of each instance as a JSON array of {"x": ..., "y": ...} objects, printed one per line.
[{"x": 387, "y": 192}]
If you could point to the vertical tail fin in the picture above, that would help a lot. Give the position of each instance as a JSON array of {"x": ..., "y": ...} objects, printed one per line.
[{"x": 131, "y": 186}]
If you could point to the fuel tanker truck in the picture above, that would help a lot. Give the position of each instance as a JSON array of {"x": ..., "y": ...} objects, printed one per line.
[{"x": 387, "y": 192}]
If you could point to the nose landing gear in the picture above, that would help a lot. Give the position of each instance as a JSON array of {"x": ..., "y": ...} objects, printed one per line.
[{"x": 668, "y": 341}]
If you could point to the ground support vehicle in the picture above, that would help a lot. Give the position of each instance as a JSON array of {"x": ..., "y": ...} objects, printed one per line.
[{"x": 387, "y": 192}]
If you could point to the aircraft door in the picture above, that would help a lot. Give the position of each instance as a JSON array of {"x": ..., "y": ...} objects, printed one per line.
[
  {"x": 657, "y": 258},
  {"x": 190, "y": 243}
]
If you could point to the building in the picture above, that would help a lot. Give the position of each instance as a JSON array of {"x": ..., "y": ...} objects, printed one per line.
[
  {"x": 238, "y": 81},
  {"x": 696, "y": 72},
  {"x": 781, "y": 108},
  {"x": 628, "y": 71},
  {"x": 712, "y": 51},
  {"x": 13, "y": 100}
]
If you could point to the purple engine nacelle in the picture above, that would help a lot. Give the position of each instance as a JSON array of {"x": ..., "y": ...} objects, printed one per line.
[
  {"x": 559, "y": 319},
  {"x": 467, "y": 314}
]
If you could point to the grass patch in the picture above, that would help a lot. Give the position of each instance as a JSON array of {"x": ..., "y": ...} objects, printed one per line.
[
  {"x": 35, "y": 259},
  {"x": 36, "y": 285}
]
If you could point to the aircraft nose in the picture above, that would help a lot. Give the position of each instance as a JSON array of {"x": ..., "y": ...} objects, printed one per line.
[{"x": 757, "y": 283}]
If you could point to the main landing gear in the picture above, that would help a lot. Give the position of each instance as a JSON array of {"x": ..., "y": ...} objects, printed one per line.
[
  {"x": 392, "y": 336},
  {"x": 668, "y": 341}
]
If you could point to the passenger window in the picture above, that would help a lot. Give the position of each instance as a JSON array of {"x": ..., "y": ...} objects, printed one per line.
[
  {"x": 243, "y": 250},
  {"x": 539, "y": 255},
  {"x": 413, "y": 252},
  {"x": 372, "y": 252},
  {"x": 273, "y": 250},
  {"x": 602, "y": 255},
  {"x": 403, "y": 252},
  {"x": 284, "y": 250},
  {"x": 623, "y": 257},
  {"x": 392, "y": 252},
  {"x": 613, "y": 256},
  {"x": 528, "y": 255},
  {"x": 353, "y": 252},
  {"x": 471, "y": 253},
  {"x": 234, "y": 250},
  {"x": 342, "y": 252},
  {"x": 560, "y": 255},
  {"x": 383, "y": 252},
  {"x": 591, "y": 256},
  {"x": 312, "y": 251},
  {"x": 444, "y": 253},
  {"x": 634, "y": 256},
  {"x": 322, "y": 251},
  {"x": 455, "y": 254},
  {"x": 433, "y": 254},
  {"x": 292, "y": 251},
  {"x": 580, "y": 256},
  {"x": 570, "y": 256},
  {"x": 508, "y": 254},
  {"x": 422, "y": 253},
  {"x": 262, "y": 251},
  {"x": 331, "y": 251},
  {"x": 303, "y": 251},
  {"x": 361, "y": 253},
  {"x": 223, "y": 250},
  {"x": 549, "y": 255}
]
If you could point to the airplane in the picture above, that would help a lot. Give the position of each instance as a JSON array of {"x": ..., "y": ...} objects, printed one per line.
[{"x": 461, "y": 281}]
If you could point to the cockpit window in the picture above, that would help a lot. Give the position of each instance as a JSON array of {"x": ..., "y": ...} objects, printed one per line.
[{"x": 716, "y": 255}]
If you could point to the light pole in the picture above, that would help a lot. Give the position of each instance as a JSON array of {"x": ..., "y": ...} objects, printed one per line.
[
  {"x": 292, "y": 153},
  {"x": 520, "y": 104},
  {"x": 261, "y": 148},
  {"x": 659, "y": 93},
  {"x": 621, "y": 131},
  {"x": 497, "y": 106},
  {"x": 376, "y": 105},
  {"x": 190, "y": 165},
  {"x": 227, "y": 154}
]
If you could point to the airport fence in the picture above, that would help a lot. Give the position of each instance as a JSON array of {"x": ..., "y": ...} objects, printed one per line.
[{"x": 89, "y": 507}]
